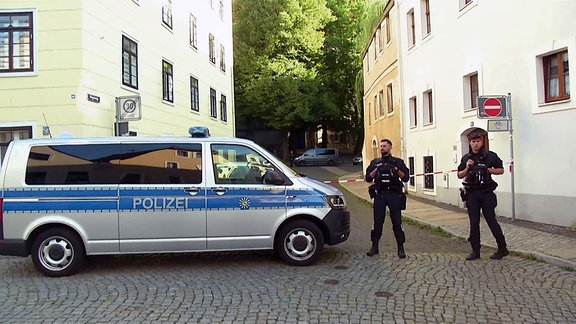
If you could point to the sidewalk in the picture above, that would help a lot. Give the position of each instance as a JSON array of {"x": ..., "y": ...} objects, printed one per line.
[{"x": 559, "y": 250}]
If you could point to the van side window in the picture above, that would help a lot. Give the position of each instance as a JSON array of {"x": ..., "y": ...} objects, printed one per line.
[
  {"x": 111, "y": 164},
  {"x": 162, "y": 163},
  {"x": 73, "y": 164},
  {"x": 238, "y": 164}
]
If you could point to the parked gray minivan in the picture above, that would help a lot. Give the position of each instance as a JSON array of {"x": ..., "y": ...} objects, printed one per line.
[{"x": 318, "y": 156}]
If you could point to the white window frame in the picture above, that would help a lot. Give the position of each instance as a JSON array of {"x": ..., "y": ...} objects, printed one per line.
[
  {"x": 428, "y": 115},
  {"x": 467, "y": 96},
  {"x": 413, "y": 112},
  {"x": 541, "y": 106}
]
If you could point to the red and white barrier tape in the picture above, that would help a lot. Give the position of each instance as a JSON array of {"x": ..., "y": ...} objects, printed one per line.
[{"x": 412, "y": 175}]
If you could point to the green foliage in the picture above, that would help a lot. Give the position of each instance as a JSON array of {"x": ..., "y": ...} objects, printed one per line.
[
  {"x": 296, "y": 63},
  {"x": 277, "y": 49},
  {"x": 371, "y": 17}
]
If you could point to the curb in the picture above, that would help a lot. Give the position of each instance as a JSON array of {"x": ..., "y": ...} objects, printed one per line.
[{"x": 549, "y": 259}]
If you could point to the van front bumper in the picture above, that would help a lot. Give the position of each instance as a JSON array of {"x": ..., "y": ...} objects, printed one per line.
[
  {"x": 338, "y": 223},
  {"x": 13, "y": 247}
]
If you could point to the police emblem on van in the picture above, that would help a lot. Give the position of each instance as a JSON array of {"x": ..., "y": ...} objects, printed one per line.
[{"x": 244, "y": 203}]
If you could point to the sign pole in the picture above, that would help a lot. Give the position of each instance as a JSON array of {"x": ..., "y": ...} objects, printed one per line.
[
  {"x": 509, "y": 104},
  {"x": 117, "y": 123}
]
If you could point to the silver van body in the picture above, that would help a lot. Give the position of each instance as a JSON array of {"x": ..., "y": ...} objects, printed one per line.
[
  {"x": 318, "y": 156},
  {"x": 61, "y": 199}
]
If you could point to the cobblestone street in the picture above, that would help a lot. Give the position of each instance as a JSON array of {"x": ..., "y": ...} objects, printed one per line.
[{"x": 433, "y": 284}]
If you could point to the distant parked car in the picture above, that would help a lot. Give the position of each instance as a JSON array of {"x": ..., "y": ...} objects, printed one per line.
[
  {"x": 357, "y": 159},
  {"x": 319, "y": 156}
]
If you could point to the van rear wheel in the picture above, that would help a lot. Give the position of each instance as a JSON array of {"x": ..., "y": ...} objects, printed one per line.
[
  {"x": 57, "y": 252},
  {"x": 299, "y": 243}
]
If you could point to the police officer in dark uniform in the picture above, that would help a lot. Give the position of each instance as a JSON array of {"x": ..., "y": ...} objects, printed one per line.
[
  {"x": 387, "y": 172},
  {"x": 477, "y": 168}
]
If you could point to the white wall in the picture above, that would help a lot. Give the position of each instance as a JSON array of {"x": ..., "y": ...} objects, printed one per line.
[{"x": 501, "y": 41}]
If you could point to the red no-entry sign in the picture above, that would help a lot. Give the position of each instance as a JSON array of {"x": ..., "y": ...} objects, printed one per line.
[{"x": 491, "y": 106}]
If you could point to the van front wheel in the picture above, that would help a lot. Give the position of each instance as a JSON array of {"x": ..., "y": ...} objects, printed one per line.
[
  {"x": 299, "y": 243},
  {"x": 57, "y": 252}
]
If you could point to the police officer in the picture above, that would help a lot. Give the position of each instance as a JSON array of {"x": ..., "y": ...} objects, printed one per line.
[
  {"x": 387, "y": 172},
  {"x": 477, "y": 168}
]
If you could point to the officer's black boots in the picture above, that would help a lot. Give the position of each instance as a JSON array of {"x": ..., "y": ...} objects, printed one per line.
[
  {"x": 502, "y": 252},
  {"x": 474, "y": 255},
  {"x": 373, "y": 250},
  {"x": 401, "y": 253}
]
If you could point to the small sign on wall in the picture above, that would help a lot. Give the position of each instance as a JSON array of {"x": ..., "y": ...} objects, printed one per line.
[
  {"x": 497, "y": 125},
  {"x": 93, "y": 98}
]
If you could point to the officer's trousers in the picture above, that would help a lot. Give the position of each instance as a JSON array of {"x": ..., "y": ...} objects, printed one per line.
[
  {"x": 485, "y": 200},
  {"x": 390, "y": 199}
]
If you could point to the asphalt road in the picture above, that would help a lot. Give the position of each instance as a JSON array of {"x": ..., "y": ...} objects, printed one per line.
[{"x": 433, "y": 284}]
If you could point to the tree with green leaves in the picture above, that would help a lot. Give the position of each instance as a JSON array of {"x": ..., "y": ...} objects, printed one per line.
[
  {"x": 277, "y": 47},
  {"x": 340, "y": 65}
]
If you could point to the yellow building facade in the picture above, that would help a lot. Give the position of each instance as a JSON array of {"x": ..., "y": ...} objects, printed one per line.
[
  {"x": 382, "y": 87},
  {"x": 64, "y": 65}
]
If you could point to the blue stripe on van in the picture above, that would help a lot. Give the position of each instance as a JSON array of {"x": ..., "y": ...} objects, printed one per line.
[
  {"x": 61, "y": 192},
  {"x": 60, "y": 206}
]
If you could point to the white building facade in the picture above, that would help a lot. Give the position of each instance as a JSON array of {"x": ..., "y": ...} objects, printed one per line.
[
  {"x": 63, "y": 64},
  {"x": 453, "y": 51}
]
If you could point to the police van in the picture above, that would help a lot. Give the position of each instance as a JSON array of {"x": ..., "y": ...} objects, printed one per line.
[{"x": 63, "y": 199}]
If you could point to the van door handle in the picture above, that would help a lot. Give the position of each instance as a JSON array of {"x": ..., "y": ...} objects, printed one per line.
[
  {"x": 192, "y": 191},
  {"x": 219, "y": 191},
  {"x": 290, "y": 196}
]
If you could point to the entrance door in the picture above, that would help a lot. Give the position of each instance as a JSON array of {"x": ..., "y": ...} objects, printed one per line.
[{"x": 243, "y": 213}]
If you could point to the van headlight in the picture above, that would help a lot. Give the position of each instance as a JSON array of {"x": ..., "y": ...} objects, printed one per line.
[{"x": 336, "y": 202}]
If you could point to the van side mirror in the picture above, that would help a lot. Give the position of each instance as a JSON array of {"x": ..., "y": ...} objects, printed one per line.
[{"x": 273, "y": 177}]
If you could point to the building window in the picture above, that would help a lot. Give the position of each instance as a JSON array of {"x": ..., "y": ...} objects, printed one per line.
[
  {"x": 387, "y": 22},
  {"x": 376, "y": 107},
  {"x": 9, "y": 134},
  {"x": 193, "y": 32},
  {"x": 223, "y": 108},
  {"x": 428, "y": 108},
  {"x": 167, "y": 82},
  {"x": 382, "y": 35},
  {"x": 369, "y": 114},
  {"x": 426, "y": 26},
  {"x": 222, "y": 10},
  {"x": 381, "y": 103},
  {"x": 470, "y": 91},
  {"x": 428, "y": 172},
  {"x": 411, "y": 168},
  {"x": 556, "y": 76},
  {"x": 375, "y": 46},
  {"x": 171, "y": 165},
  {"x": 167, "y": 13},
  {"x": 413, "y": 113},
  {"x": 379, "y": 45},
  {"x": 16, "y": 43},
  {"x": 194, "y": 94},
  {"x": 411, "y": 30},
  {"x": 375, "y": 148},
  {"x": 211, "y": 48},
  {"x": 389, "y": 98},
  {"x": 213, "y": 112},
  {"x": 367, "y": 62},
  {"x": 222, "y": 58},
  {"x": 129, "y": 63}
]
